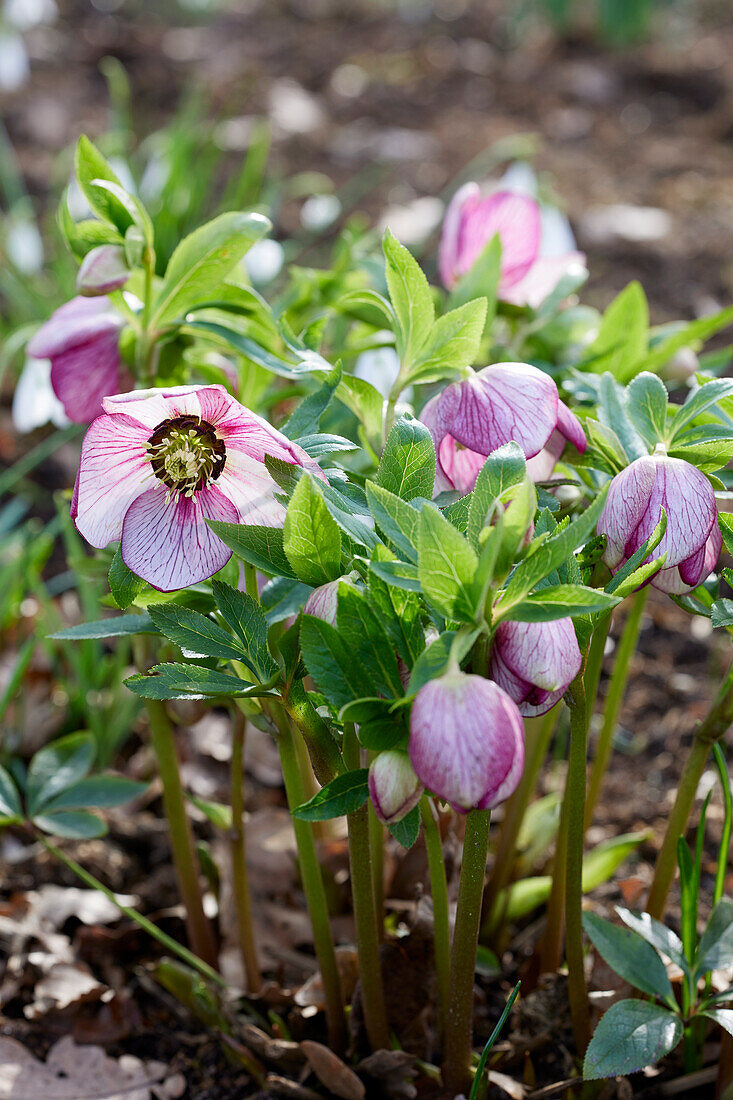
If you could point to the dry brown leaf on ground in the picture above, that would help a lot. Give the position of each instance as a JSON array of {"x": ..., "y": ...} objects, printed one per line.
[
  {"x": 311, "y": 993},
  {"x": 393, "y": 1071},
  {"x": 73, "y": 1072},
  {"x": 332, "y": 1072},
  {"x": 64, "y": 984}
]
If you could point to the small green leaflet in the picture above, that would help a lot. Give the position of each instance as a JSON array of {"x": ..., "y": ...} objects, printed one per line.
[
  {"x": 407, "y": 468},
  {"x": 629, "y": 1036},
  {"x": 311, "y": 537},
  {"x": 196, "y": 634},
  {"x": 343, "y": 795}
]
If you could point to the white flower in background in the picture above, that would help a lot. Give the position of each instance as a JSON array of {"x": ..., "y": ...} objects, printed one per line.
[
  {"x": 319, "y": 211},
  {"x": 14, "y": 65},
  {"x": 34, "y": 402},
  {"x": 264, "y": 261},
  {"x": 23, "y": 244},
  {"x": 25, "y": 14},
  {"x": 379, "y": 366}
]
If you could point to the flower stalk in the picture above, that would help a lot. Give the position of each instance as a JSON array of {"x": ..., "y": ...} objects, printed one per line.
[
  {"x": 240, "y": 876},
  {"x": 185, "y": 860},
  {"x": 439, "y": 889},
  {"x": 575, "y": 796},
  {"x": 459, "y": 1017}
]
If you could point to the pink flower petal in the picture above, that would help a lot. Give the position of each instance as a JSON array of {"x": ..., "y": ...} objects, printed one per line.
[
  {"x": 501, "y": 403},
  {"x": 248, "y": 485},
  {"x": 113, "y": 470},
  {"x": 535, "y": 663},
  {"x": 76, "y": 322},
  {"x": 517, "y": 220},
  {"x": 571, "y": 427},
  {"x": 692, "y": 572},
  {"x": 459, "y": 465},
  {"x": 84, "y": 374},
  {"x": 541, "y": 279},
  {"x": 465, "y": 199},
  {"x": 168, "y": 543}
]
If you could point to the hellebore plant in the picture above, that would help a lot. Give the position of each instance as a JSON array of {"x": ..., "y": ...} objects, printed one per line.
[{"x": 405, "y": 591}]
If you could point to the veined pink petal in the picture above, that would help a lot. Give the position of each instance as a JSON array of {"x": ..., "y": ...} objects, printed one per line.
[
  {"x": 168, "y": 542},
  {"x": 465, "y": 198},
  {"x": 505, "y": 402},
  {"x": 571, "y": 427},
  {"x": 393, "y": 786},
  {"x": 688, "y": 499},
  {"x": 76, "y": 322},
  {"x": 541, "y": 279},
  {"x": 466, "y": 741},
  {"x": 628, "y": 497},
  {"x": 151, "y": 407},
  {"x": 459, "y": 465},
  {"x": 84, "y": 374},
  {"x": 248, "y": 485},
  {"x": 113, "y": 471},
  {"x": 535, "y": 663},
  {"x": 690, "y": 573},
  {"x": 541, "y": 466},
  {"x": 516, "y": 219}
]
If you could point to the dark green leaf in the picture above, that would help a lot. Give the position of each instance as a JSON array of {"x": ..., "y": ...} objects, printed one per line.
[
  {"x": 559, "y": 601},
  {"x": 407, "y": 830},
  {"x": 503, "y": 469},
  {"x": 407, "y": 467},
  {"x": 613, "y": 412},
  {"x": 716, "y": 942},
  {"x": 722, "y": 1016},
  {"x": 178, "y": 681},
  {"x": 397, "y": 520},
  {"x": 630, "y": 956},
  {"x": 95, "y": 790},
  {"x": 196, "y": 634},
  {"x": 331, "y": 663},
  {"x": 722, "y": 613},
  {"x": 655, "y": 933},
  {"x": 631, "y": 1035},
  {"x": 341, "y": 796},
  {"x": 365, "y": 638},
  {"x": 72, "y": 824},
  {"x": 699, "y": 401},
  {"x": 107, "y": 628},
  {"x": 260, "y": 546},
  {"x": 397, "y": 573},
  {"x": 58, "y": 766},
  {"x": 9, "y": 798},
  {"x": 306, "y": 418},
  {"x": 244, "y": 616},
  {"x": 123, "y": 583}
]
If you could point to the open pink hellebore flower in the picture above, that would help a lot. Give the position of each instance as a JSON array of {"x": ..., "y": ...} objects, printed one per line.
[
  {"x": 466, "y": 741},
  {"x": 535, "y": 663},
  {"x": 472, "y": 220},
  {"x": 501, "y": 403},
  {"x": 80, "y": 339},
  {"x": 692, "y": 540},
  {"x": 158, "y": 463},
  {"x": 393, "y": 786}
]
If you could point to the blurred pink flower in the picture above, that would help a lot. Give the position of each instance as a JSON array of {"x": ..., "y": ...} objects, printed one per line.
[
  {"x": 535, "y": 663},
  {"x": 158, "y": 463},
  {"x": 80, "y": 339},
  {"x": 692, "y": 540},
  {"x": 102, "y": 270},
  {"x": 466, "y": 741},
  {"x": 472, "y": 220},
  {"x": 501, "y": 403}
]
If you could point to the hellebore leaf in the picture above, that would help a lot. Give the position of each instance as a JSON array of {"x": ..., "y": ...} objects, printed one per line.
[
  {"x": 646, "y": 400},
  {"x": 407, "y": 467},
  {"x": 107, "y": 628},
  {"x": 559, "y": 601},
  {"x": 179, "y": 681},
  {"x": 283, "y": 597},
  {"x": 481, "y": 280},
  {"x": 434, "y": 659},
  {"x": 411, "y": 298},
  {"x": 123, "y": 583},
  {"x": 71, "y": 824},
  {"x": 657, "y": 934},
  {"x": 10, "y": 806},
  {"x": 632, "y": 565},
  {"x": 138, "y": 215},
  {"x": 504, "y": 468},
  {"x": 89, "y": 166},
  {"x": 244, "y": 616},
  {"x": 630, "y": 956},
  {"x": 453, "y": 343},
  {"x": 58, "y": 766},
  {"x": 397, "y": 520},
  {"x": 721, "y": 1016},
  {"x": 365, "y": 402},
  {"x": 407, "y": 830},
  {"x": 701, "y": 329},
  {"x": 341, "y": 796},
  {"x": 95, "y": 790},
  {"x": 447, "y": 565},
  {"x": 613, "y": 412},
  {"x": 699, "y": 401},
  {"x": 629, "y": 1036},
  {"x": 398, "y": 574},
  {"x": 367, "y": 641},
  {"x": 722, "y": 613},
  {"x": 331, "y": 663},
  {"x": 83, "y": 236},
  {"x": 311, "y": 537},
  {"x": 259, "y": 546},
  {"x": 306, "y": 418},
  {"x": 716, "y": 943},
  {"x": 196, "y": 634},
  {"x": 399, "y": 612},
  {"x": 202, "y": 261},
  {"x": 623, "y": 337}
]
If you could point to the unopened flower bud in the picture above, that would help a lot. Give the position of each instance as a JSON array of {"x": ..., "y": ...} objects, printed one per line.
[
  {"x": 466, "y": 741},
  {"x": 692, "y": 540},
  {"x": 535, "y": 663},
  {"x": 102, "y": 270},
  {"x": 323, "y": 601},
  {"x": 393, "y": 786}
]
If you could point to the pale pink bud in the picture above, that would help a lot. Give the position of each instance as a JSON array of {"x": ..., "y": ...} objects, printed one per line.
[
  {"x": 535, "y": 663},
  {"x": 393, "y": 786},
  {"x": 466, "y": 741},
  {"x": 102, "y": 270},
  {"x": 323, "y": 601},
  {"x": 692, "y": 540}
]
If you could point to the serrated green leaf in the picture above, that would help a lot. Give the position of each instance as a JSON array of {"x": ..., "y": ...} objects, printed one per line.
[
  {"x": 58, "y": 766},
  {"x": 343, "y": 795},
  {"x": 311, "y": 537},
  {"x": 259, "y": 546},
  {"x": 397, "y": 520},
  {"x": 452, "y": 345},
  {"x": 560, "y": 601},
  {"x": 447, "y": 566},
  {"x": 630, "y": 956},
  {"x": 411, "y": 299},
  {"x": 306, "y": 418},
  {"x": 504, "y": 468},
  {"x": 244, "y": 616},
  {"x": 124, "y": 585},
  {"x": 331, "y": 664},
  {"x": 365, "y": 638},
  {"x": 631, "y": 1035},
  {"x": 722, "y": 613},
  {"x": 407, "y": 830},
  {"x": 117, "y": 627},
  {"x": 196, "y": 634},
  {"x": 202, "y": 261},
  {"x": 407, "y": 467},
  {"x": 179, "y": 681}
]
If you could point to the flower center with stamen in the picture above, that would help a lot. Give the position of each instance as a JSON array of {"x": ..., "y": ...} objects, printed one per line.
[{"x": 186, "y": 454}]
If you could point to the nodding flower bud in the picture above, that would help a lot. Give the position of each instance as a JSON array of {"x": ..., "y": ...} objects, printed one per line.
[
  {"x": 499, "y": 404},
  {"x": 466, "y": 741},
  {"x": 102, "y": 270},
  {"x": 692, "y": 540},
  {"x": 393, "y": 786},
  {"x": 323, "y": 601},
  {"x": 535, "y": 663}
]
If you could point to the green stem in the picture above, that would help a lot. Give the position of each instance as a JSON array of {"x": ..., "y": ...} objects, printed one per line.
[
  {"x": 322, "y": 747},
  {"x": 250, "y": 581},
  {"x": 142, "y": 922},
  {"x": 240, "y": 876},
  {"x": 594, "y": 658},
  {"x": 459, "y": 1018},
  {"x": 310, "y": 873},
  {"x": 575, "y": 795},
  {"x": 538, "y": 735},
  {"x": 439, "y": 889},
  {"x": 614, "y": 699},
  {"x": 365, "y": 915},
  {"x": 710, "y": 730},
  {"x": 376, "y": 851},
  {"x": 185, "y": 859},
  {"x": 551, "y": 946}
]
